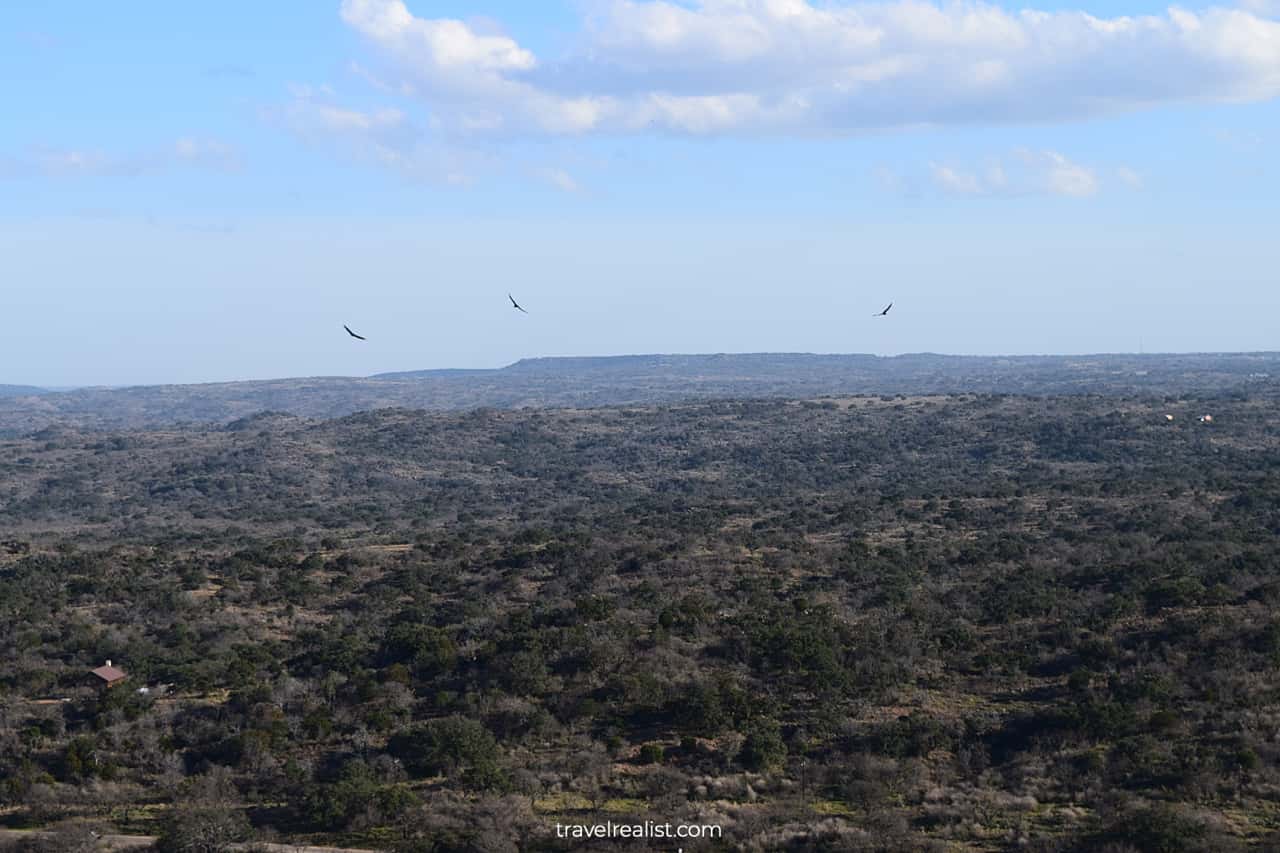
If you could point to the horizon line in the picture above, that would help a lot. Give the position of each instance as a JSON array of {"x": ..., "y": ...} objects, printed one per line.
[{"x": 392, "y": 374}]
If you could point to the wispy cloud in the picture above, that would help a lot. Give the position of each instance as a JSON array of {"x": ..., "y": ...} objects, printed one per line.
[
  {"x": 207, "y": 154},
  {"x": 383, "y": 136},
  {"x": 1057, "y": 175},
  {"x": 187, "y": 152},
  {"x": 1240, "y": 141},
  {"x": 1130, "y": 178},
  {"x": 560, "y": 179},
  {"x": 792, "y": 66},
  {"x": 377, "y": 81},
  {"x": 1270, "y": 8},
  {"x": 957, "y": 182},
  {"x": 1024, "y": 172}
]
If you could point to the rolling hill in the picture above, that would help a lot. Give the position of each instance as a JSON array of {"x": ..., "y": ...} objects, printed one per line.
[{"x": 643, "y": 379}]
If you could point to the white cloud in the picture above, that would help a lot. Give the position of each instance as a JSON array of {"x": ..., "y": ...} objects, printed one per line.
[
  {"x": 996, "y": 177},
  {"x": 1130, "y": 178},
  {"x": 793, "y": 66},
  {"x": 956, "y": 182},
  {"x": 1243, "y": 142},
  {"x": 1266, "y": 8},
  {"x": 353, "y": 121},
  {"x": 385, "y": 137},
  {"x": 207, "y": 153},
  {"x": 435, "y": 47},
  {"x": 377, "y": 81},
  {"x": 189, "y": 152},
  {"x": 1059, "y": 176},
  {"x": 306, "y": 91},
  {"x": 888, "y": 179},
  {"x": 61, "y": 163},
  {"x": 1025, "y": 173},
  {"x": 314, "y": 117},
  {"x": 560, "y": 179}
]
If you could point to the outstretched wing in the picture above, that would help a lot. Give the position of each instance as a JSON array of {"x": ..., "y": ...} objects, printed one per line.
[{"x": 353, "y": 334}]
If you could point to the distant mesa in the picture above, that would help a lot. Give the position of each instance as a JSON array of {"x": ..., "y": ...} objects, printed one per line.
[{"x": 631, "y": 380}]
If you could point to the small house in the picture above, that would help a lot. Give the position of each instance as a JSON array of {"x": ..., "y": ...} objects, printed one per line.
[{"x": 107, "y": 675}]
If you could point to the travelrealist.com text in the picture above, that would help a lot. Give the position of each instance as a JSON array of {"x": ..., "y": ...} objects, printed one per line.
[{"x": 648, "y": 829}]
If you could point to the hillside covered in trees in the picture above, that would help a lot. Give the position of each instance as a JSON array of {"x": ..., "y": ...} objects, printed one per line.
[
  {"x": 643, "y": 380},
  {"x": 968, "y": 622}
]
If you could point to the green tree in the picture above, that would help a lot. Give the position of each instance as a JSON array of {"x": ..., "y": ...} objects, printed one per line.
[
  {"x": 763, "y": 749},
  {"x": 455, "y": 746},
  {"x": 428, "y": 650}
]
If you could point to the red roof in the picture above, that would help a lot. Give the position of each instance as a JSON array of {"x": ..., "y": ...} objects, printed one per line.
[{"x": 109, "y": 674}]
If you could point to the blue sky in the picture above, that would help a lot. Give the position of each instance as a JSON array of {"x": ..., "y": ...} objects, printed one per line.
[{"x": 208, "y": 192}]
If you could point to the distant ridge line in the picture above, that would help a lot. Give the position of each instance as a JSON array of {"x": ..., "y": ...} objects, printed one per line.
[
  {"x": 644, "y": 359},
  {"x": 686, "y": 359},
  {"x": 640, "y": 380}
]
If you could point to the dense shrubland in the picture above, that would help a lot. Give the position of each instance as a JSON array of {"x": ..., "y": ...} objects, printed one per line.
[{"x": 993, "y": 622}]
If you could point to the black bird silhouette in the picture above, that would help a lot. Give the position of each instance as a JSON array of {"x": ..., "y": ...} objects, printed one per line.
[
  {"x": 885, "y": 312},
  {"x": 353, "y": 334},
  {"x": 514, "y": 304}
]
